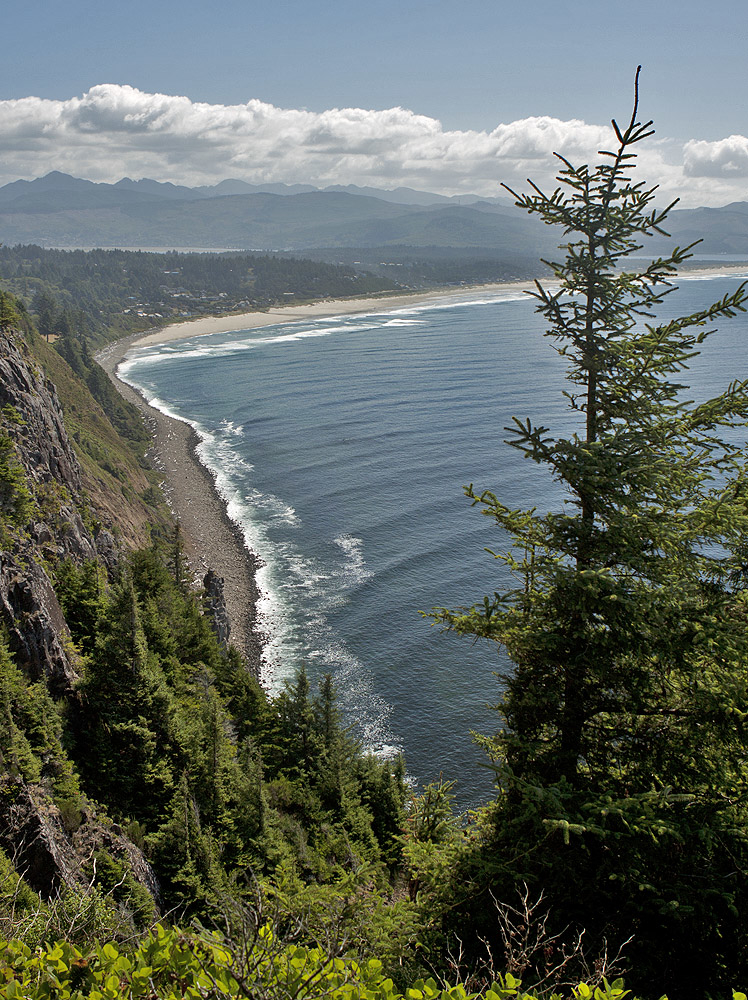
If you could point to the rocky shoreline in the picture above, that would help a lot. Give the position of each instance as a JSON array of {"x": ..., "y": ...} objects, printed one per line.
[{"x": 212, "y": 541}]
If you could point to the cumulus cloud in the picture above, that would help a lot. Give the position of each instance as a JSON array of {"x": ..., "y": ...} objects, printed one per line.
[
  {"x": 726, "y": 158},
  {"x": 112, "y": 131}
]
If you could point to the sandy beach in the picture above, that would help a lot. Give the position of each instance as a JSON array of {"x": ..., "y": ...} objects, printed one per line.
[
  {"x": 339, "y": 307},
  {"x": 313, "y": 310},
  {"x": 212, "y": 540}
]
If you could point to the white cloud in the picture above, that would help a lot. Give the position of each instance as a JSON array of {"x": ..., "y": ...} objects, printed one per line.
[
  {"x": 113, "y": 131},
  {"x": 726, "y": 158}
]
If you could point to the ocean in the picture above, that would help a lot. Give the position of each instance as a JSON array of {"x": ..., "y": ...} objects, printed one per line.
[{"x": 341, "y": 447}]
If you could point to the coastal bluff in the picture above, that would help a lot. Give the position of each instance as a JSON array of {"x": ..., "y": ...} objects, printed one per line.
[
  {"x": 50, "y": 844},
  {"x": 85, "y": 509}
]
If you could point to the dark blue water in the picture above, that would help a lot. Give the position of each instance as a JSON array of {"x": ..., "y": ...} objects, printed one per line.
[{"x": 341, "y": 447}]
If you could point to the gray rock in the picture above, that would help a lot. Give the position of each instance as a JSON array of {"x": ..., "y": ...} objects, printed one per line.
[
  {"x": 107, "y": 548},
  {"x": 41, "y": 438},
  {"x": 50, "y": 852},
  {"x": 215, "y": 606},
  {"x": 37, "y": 631},
  {"x": 50, "y": 849}
]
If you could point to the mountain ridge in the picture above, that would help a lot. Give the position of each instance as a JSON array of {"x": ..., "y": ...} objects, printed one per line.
[{"x": 59, "y": 210}]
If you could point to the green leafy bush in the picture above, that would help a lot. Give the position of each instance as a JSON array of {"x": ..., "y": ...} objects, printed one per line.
[{"x": 170, "y": 963}]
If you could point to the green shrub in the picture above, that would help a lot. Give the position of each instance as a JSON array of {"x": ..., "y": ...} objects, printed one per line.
[{"x": 170, "y": 963}]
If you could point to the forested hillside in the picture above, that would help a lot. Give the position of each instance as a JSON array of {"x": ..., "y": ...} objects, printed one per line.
[
  {"x": 104, "y": 293},
  {"x": 132, "y": 728},
  {"x": 145, "y": 773}
]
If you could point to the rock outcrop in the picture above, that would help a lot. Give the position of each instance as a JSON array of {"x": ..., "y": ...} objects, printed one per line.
[
  {"x": 29, "y": 608},
  {"x": 44, "y": 846},
  {"x": 215, "y": 605},
  {"x": 53, "y": 848},
  {"x": 35, "y": 624},
  {"x": 40, "y": 435}
]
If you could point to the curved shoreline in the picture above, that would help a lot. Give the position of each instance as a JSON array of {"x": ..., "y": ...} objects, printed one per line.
[
  {"x": 212, "y": 539},
  {"x": 313, "y": 310}
]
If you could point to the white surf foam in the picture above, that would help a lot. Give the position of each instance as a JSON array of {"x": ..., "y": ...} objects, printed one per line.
[
  {"x": 237, "y": 341},
  {"x": 295, "y": 590},
  {"x": 354, "y": 570},
  {"x": 737, "y": 275}
]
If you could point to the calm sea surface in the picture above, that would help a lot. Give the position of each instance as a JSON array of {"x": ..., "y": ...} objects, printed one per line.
[{"x": 341, "y": 447}]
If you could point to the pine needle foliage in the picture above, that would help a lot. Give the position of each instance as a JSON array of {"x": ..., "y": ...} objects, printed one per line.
[
  {"x": 622, "y": 595},
  {"x": 621, "y": 755}
]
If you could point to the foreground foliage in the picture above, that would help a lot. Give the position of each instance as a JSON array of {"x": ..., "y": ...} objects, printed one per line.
[{"x": 171, "y": 963}]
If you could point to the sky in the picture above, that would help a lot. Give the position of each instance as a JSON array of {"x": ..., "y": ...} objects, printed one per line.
[{"x": 440, "y": 95}]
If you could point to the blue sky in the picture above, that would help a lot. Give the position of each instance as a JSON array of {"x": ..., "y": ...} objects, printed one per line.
[{"x": 470, "y": 66}]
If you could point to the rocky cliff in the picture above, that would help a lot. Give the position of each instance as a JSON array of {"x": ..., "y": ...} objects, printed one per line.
[
  {"x": 32, "y": 418},
  {"x": 142, "y": 766},
  {"x": 36, "y": 832}
]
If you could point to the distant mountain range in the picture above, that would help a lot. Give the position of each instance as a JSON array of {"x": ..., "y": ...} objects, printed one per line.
[
  {"x": 64, "y": 211},
  {"x": 148, "y": 189}
]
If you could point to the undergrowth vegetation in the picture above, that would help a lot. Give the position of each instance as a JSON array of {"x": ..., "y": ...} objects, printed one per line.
[{"x": 170, "y": 964}]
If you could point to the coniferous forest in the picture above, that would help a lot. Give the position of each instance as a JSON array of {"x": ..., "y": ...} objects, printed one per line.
[
  {"x": 167, "y": 829},
  {"x": 101, "y": 294}
]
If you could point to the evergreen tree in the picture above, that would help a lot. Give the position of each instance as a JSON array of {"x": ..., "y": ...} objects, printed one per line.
[
  {"x": 30, "y": 728},
  {"x": 124, "y": 714},
  {"x": 81, "y": 592},
  {"x": 621, "y": 761},
  {"x": 179, "y": 564},
  {"x": 8, "y": 311},
  {"x": 47, "y": 312},
  {"x": 298, "y": 744},
  {"x": 16, "y": 503}
]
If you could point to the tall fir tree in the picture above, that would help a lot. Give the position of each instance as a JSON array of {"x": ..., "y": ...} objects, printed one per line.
[{"x": 621, "y": 757}]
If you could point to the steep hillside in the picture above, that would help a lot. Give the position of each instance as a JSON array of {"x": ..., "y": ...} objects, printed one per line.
[
  {"x": 118, "y": 486},
  {"x": 142, "y": 767},
  {"x": 48, "y": 828}
]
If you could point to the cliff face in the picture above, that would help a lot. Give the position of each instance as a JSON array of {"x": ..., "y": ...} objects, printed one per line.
[
  {"x": 53, "y": 847},
  {"x": 117, "y": 697},
  {"x": 33, "y": 418},
  {"x": 48, "y": 850}
]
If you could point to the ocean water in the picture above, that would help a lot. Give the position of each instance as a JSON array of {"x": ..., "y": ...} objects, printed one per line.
[{"x": 341, "y": 447}]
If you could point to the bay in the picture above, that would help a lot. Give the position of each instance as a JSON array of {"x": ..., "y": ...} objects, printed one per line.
[{"x": 341, "y": 447}]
